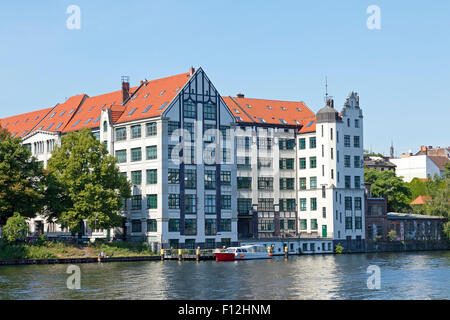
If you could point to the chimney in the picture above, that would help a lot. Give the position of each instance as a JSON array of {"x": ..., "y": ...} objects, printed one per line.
[
  {"x": 125, "y": 88},
  {"x": 240, "y": 95},
  {"x": 191, "y": 71}
]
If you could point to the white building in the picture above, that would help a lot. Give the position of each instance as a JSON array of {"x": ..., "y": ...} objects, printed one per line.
[
  {"x": 289, "y": 174},
  {"x": 419, "y": 166}
]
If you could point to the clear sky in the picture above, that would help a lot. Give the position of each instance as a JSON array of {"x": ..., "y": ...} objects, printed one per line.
[{"x": 264, "y": 49}]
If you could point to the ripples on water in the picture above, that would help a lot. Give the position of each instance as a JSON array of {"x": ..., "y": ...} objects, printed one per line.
[{"x": 403, "y": 276}]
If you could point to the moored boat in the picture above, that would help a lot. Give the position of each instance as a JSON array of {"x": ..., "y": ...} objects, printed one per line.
[{"x": 249, "y": 252}]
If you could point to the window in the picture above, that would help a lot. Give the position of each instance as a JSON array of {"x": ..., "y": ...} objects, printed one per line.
[
  {"x": 287, "y": 183},
  {"x": 348, "y": 203},
  {"x": 346, "y": 141},
  {"x": 210, "y": 227},
  {"x": 190, "y": 204},
  {"x": 303, "y": 204},
  {"x": 331, "y": 133},
  {"x": 324, "y": 192},
  {"x": 225, "y": 178},
  {"x": 210, "y": 179},
  {"x": 312, "y": 142},
  {"x": 358, "y": 223},
  {"x": 152, "y": 176},
  {"x": 172, "y": 126},
  {"x": 324, "y": 212},
  {"x": 313, "y": 162},
  {"x": 286, "y": 144},
  {"x": 357, "y": 162},
  {"x": 357, "y": 203},
  {"x": 136, "y": 131},
  {"x": 174, "y": 225},
  {"x": 244, "y": 183},
  {"x": 152, "y": 201},
  {"x": 210, "y": 204},
  {"x": 302, "y": 143},
  {"x": 348, "y": 223},
  {"x": 136, "y": 202},
  {"x": 209, "y": 112},
  {"x": 151, "y": 152},
  {"x": 357, "y": 181},
  {"x": 356, "y": 123},
  {"x": 302, "y": 162},
  {"x": 347, "y": 161},
  {"x": 313, "y": 182},
  {"x": 105, "y": 126},
  {"x": 136, "y": 226},
  {"x": 152, "y": 225},
  {"x": 265, "y": 183},
  {"x": 136, "y": 177},
  {"x": 150, "y": 129},
  {"x": 356, "y": 143},
  {"x": 347, "y": 182},
  {"x": 174, "y": 201},
  {"x": 225, "y": 201},
  {"x": 243, "y": 162},
  {"x": 225, "y": 225},
  {"x": 210, "y": 243},
  {"x": 302, "y": 183},
  {"x": 313, "y": 224},
  {"x": 264, "y": 162},
  {"x": 190, "y": 134},
  {"x": 190, "y": 227},
  {"x": 136, "y": 154},
  {"x": 244, "y": 206},
  {"x": 121, "y": 156},
  {"x": 190, "y": 179},
  {"x": 313, "y": 204},
  {"x": 303, "y": 224},
  {"x": 287, "y": 204},
  {"x": 189, "y": 110},
  {"x": 265, "y": 204},
  {"x": 174, "y": 176},
  {"x": 121, "y": 134},
  {"x": 286, "y": 164}
]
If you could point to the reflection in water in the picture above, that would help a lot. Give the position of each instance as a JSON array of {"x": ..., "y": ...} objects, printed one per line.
[{"x": 403, "y": 276}]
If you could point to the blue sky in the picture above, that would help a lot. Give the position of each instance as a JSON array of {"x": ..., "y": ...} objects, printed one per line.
[{"x": 265, "y": 49}]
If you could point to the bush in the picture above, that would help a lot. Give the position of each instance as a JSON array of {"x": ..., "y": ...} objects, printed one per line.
[
  {"x": 16, "y": 228},
  {"x": 339, "y": 249}
]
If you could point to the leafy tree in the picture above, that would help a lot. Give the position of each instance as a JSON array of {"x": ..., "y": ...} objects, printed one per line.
[
  {"x": 16, "y": 228},
  {"x": 417, "y": 187},
  {"x": 21, "y": 179},
  {"x": 386, "y": 183},
  {"x": 89, "y": 181}
]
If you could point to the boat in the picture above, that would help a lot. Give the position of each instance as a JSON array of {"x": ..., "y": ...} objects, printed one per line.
[{"x": 248, "y": 252}]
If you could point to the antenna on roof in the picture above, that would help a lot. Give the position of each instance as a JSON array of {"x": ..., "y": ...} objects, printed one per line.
[
  {"x": 125, "y": 79},
  {"x": 328, "y": 99}
]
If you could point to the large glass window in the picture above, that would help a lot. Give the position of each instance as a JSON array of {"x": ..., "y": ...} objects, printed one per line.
[
  {"x": 136, "y": 202},
  {"x": 225, "y": 225},
  {"x": 303, "y": 224},
  {"x": 136, "y": 154},
  {"x": 151, "y": 129},
  {"x": 357, "y": 162},
  {"x": 265, "y": 204},
  {"x": 357, "y": 203},
  {"x": 210, "y": 204},
  {"x": 244, "y": 206},
  {"x": 151, "y": 152},
  {"x": 190, "y": 179},
  {"x": 313, "y": 162},
  {"x": 312, "y": 142},
  {"x": 286, "y": 164},
  {"x": 174, "y": 225},
  {"x": 136, "y": 131},
  {"x": 174, "y": 201},
  {"x": 225, "y": 202},
  {"x": 136, "y": 226},
  {"x": 210, "y": 227},
  {"x": 287, "y": 204},
  {"x": 174, "y": 176},
  {"x": 225, "y": 178},
  {"x": 152, "y": 225},
  {"x": 347, "y": 161},
  {"x": 358, "y": 223},
  {"x": 348, "y": 223},
  {"x": 189, "y": 110},
  {"x": 190, "y": 204},
  {"x": 302, "y": 143},
  {"x": 302, "y": 204},
  {"x": 210, "y": 179},
  {"x": 313, "y": 182},
  {"x": 152, "y": 176},
  {"x": 265, "y": 183},
  {"x": 302, "y": 162},
  {"x": 136, "y": 177},
  {"x": 172, "y": 126},
  {"x": 313, "y": 224},
  {"x": 357, "y": 180},
  {"x": 244, "y": 183},
  {"x": 346, "y": 141},
  {"x": 348, "y": 203},
  {"x": 152, "y": 201},
  {"x": 356, "y": 142},
  {"x": 121, "y": 156},
  {"x": 287, "y": 183},
  {"x": 313, "y": 203},
  {"x": 190, "y": 134},
  {"x": 347, "y": 182},
  {"x": 209, "y": 112},
  {"x": 121, "y": 134},
  {"x": 190, "y": 227},
  {"x": 302, "y": 183}
]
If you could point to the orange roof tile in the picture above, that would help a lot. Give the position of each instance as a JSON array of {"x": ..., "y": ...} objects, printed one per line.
[
  {"x": 21, "y": 125},
  {"x": 61, "y": 115},
  {"x": 421, "y": 200},
  {"x": 268, "y": 111},
  {"x": 152, "y": 98},
  {"x": 308, "y": 125}
]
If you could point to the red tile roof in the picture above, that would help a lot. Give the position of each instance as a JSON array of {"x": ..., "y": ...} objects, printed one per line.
[
  {"x": 153, "y": 97},
  {"x": 61, "y": 115},
  {"x": 308, "y": 125},
  {"x": 268, "y": 111},
  {"x": 421, "y": 200},
  {"x": 439, "y": 161},
  {"x": 21, "y": 125}
]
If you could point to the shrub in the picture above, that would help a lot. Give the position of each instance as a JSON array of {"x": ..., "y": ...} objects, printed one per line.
[
  {"x": 339, "y": 249},
  {"x": 16, "y": 228}
]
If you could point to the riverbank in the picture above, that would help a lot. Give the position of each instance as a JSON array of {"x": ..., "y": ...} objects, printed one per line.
[{"x": 53, "y": 251}]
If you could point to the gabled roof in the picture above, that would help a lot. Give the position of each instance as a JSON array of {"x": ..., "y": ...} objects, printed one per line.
[
  {"x": 439, "y": 161},
  {"x": 268, "y": 111},
  {"x": 308, "y": 125},
  {"x": 421, "y": 200},
  {"x": 60, "y": 116},
  {"x": 153, "y": 97},
  {"x": 21, "y": 125}
]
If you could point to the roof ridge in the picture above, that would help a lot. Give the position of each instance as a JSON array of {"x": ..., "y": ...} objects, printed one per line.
[
  {"x": 240, "y": 107},
  {"x": 76, "y": 111}
]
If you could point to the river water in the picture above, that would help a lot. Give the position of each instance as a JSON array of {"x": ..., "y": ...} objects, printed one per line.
[{"x": 419, "y": 275}]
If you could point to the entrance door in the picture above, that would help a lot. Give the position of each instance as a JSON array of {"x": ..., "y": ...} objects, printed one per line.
[{"x": 324, "y": 231}]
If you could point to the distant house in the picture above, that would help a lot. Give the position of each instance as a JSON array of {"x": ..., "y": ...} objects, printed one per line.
[
  {"x": 378, "y": 163},
  {"x": 426, "y": 163},
  {"x": 421, "y": 200}
]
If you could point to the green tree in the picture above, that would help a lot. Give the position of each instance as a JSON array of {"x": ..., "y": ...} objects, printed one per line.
[
  {"x": 89, "y": 181},
  {"x": 16, "y": 228},
  {"x": 417, "y": 187},
  {"x": 386, "y": 183},
  {"x": 21, "y": 179}
]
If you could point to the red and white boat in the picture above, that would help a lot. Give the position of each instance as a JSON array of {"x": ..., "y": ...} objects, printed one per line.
[{"x": 249, "y": 252}]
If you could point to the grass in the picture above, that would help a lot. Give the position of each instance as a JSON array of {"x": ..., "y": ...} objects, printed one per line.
[{"x": 54, "y": 250}]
